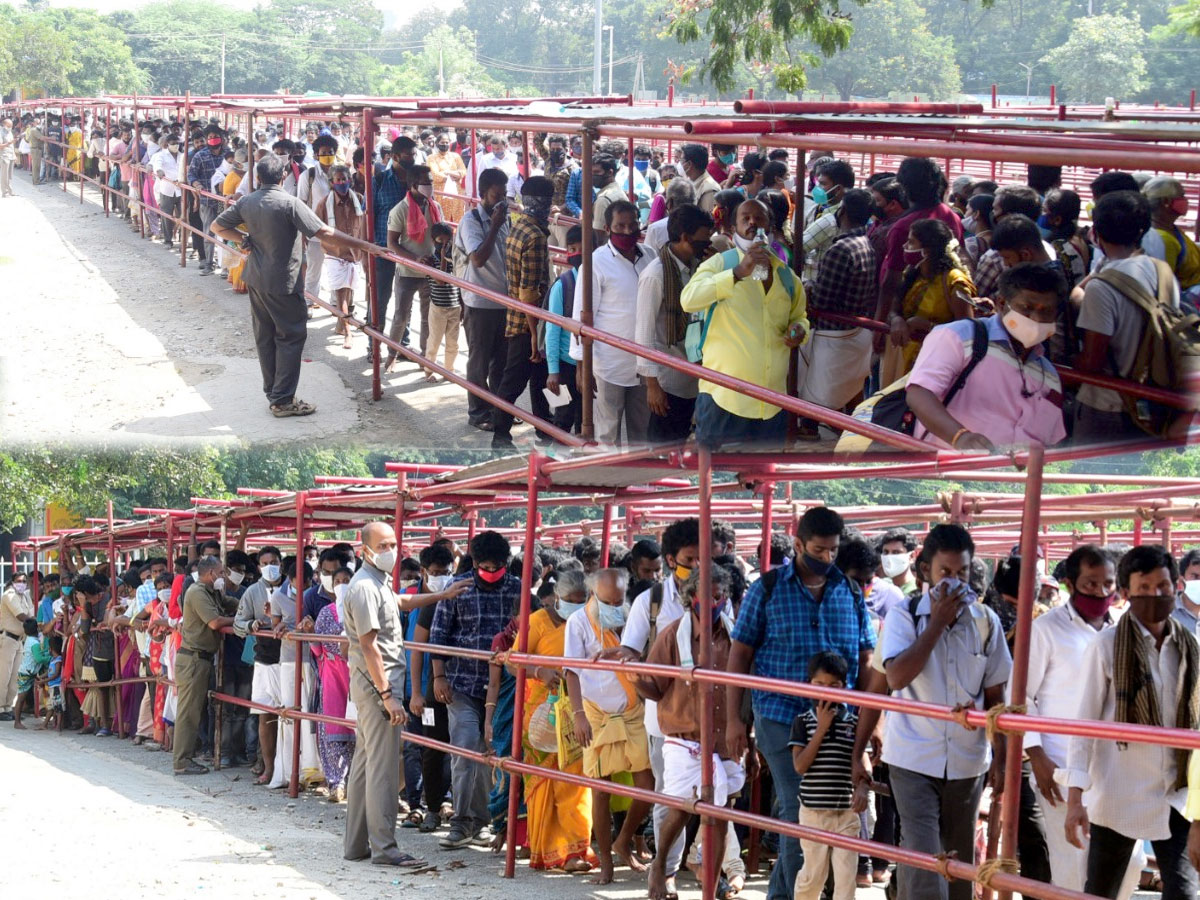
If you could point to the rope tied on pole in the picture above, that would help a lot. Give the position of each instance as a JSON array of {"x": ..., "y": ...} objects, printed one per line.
[
  {"x": 994, "y": 714},
  {"x": 943, "y": 861},
  {"x": 989, "y": 868},
  {"x": 959, "y": 715}
]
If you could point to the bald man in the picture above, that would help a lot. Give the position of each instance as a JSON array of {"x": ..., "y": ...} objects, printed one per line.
[{"x": 377, "y": 670}]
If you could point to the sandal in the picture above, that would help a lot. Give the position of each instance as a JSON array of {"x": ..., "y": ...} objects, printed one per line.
[
  {"x": 293, "y": 407},
  {"x": 724, "y": 891},
  {"x": 414, "y": 819}
]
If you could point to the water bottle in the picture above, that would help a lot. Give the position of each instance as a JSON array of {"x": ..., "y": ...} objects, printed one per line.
[{"x": 761, "y": 272}]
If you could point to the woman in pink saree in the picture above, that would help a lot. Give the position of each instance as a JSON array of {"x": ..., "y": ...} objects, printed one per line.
[{"x": 335, "y": 743}]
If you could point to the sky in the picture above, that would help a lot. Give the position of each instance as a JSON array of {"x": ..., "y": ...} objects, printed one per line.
[{"x": 391, "y": 9}]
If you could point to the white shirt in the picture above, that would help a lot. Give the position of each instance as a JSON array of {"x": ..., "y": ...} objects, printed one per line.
[
  {"x": 656, "y": 235},
  {"x": 636, "y": 635},
  {"x": 958, "y": 671},
  {"x": 1136, "y": 780},
  {"x": 651, "y": 329},
  {"x": 614, "y": 309},
  {"x": 313, "y": 188},
  {"x": 507, "y": 163},
  {"x": 1058, "y": 645},
  {"x": 600, "y": 687},
  {"x": 167, "y": 163}
]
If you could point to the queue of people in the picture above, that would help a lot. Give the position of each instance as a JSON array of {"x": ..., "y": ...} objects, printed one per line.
[
  {"x": 1114, "y": 639},
  {"x": 905, "y": 287}
]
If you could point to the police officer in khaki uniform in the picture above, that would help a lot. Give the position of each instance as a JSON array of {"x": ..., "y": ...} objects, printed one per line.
[
  {"x": 377, "y": 670},
  {"x": 206, "y": 610},
  {"x": 16, "y": 605}
]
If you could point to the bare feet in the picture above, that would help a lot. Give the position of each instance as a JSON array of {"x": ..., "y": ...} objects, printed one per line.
[
  {"x": 577, "y": 865},
  {"x": 391, "y": 364},
  {"x": 346, "y": 342},
  {"x": 604, "y": 876},
  {"x": 656, "y": 883},
  {"x": 17, "y": 725},
  {"x": 624, "y": 852}
]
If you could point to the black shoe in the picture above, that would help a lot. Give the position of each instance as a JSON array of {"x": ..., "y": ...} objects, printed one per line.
[
  {"x": 7, "y": 717},
  {"x": 504, "y": 445},
  {"x": 482, "y": 424},
  {"x": 432, "y": 822}
]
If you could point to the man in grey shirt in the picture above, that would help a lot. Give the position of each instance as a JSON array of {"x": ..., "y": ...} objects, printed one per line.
[
  {"x": 277, "y": 226},
  {"x": 377, "y": 672},
  {"x": 483, "y": 234}
]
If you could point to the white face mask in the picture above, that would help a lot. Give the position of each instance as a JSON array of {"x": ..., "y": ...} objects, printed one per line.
[
  {"x": 743, "y": 244},
  {"x": 425, "y": 190},
  {"x": 270, "y": 573},
  {"x": 236, "y": 578},
  {"x": 327, "y": 583},
  {"x": 384, "y": 562},
  {"x": 219, "y": 584},
  {"x": 20, "y": 587},
  {"x": 164, "y": 596},
  {"x": 339, "y": 592},
  {"x": 406, "y": 583},
  {"x": 1191, "y": 590},
  {"x": 438, "y": 583},
  {"x": 1025, "y": 331},
  {"x": 895, "y": 564}
]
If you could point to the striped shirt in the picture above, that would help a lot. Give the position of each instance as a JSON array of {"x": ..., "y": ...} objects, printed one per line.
[
  {"x": 440, "y": 293},
  {"x": 827, "y": 783}
]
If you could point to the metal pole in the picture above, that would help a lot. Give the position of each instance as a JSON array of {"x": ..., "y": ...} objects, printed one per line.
[
  {"x": 1011, "y": 798},
  {"x": 586, "y": 428},
  {"x": 510, "y": 844},
  {"x": 768, "y": 510},
  {"x": 597, "y": 42},
  {"x": 372, "y": 281},
  {"x": 185, "y": 138},
  {"x": 401, "y": 495},
  {"x": 606, "y": 529},
  {"x": 610, "y": 59},
  {"x": 1137, "y": 531},
  {"x": 298, "y": 685},
  {"x": 711, "y": 865},
  {"x": 219, "y": 708}
]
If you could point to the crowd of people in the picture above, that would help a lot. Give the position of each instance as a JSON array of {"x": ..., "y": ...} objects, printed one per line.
[
  {"x": 694, "y": 259},
  {"x": 1114, "y": 639}
]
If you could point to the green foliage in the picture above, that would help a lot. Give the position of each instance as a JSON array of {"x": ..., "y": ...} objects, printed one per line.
[
  {"x": 43, "y": 58},
  {"x": 102, "y": 61},
  {"x": 444, "y": 64},
  {"x": 1185, "y": 18},
  {"x": 1101, "y": 58},
  {"x": 892, "y": 53}
]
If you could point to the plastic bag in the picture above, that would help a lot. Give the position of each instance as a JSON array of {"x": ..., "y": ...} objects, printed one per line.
[
  {"x": 568, "y": 748},
  {"x": 543, "y": 735}
]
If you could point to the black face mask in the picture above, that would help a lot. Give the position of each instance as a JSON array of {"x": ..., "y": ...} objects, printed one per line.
[
  {"x": 638, "y": 586},
  {"x": 575, "y": 260}
]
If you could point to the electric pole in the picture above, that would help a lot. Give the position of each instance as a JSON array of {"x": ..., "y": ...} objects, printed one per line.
[
  {"x": 222, "y": 62},
  {"x": 597, "y": 43}
]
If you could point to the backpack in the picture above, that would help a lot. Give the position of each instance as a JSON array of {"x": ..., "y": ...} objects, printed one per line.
[
  {"x": 459, "y": 257},
  {"x": 567, "y": 280},
  {"x": 656, "y": 599},
  {"x": 697, "y": 329},
  {"x": 889, "y": 408},
  {"x": 1168, "y": 353}
]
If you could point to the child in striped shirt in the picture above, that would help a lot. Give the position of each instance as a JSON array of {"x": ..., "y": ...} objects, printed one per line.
[
  {"x": 445, "y": 303},
  {"x": 822, "y": 743}
]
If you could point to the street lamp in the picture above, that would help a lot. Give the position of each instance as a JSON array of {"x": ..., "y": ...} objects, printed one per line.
[{"x": 609, "y": 29}]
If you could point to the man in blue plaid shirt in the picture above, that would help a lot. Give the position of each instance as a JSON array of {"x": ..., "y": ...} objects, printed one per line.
[
  {"x": 472, "y": 620},
  {"x": 804, "y": 607}
]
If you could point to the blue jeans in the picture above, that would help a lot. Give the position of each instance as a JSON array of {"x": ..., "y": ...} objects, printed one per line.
[
  {"x": 413, "y": 784},
  {"x": 716, "y": 426},
  {"x": 772, "y": 739},
  {"x": 470, "y": 782}
]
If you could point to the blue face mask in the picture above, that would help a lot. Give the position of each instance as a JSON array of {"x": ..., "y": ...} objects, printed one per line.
[
  {"x": 341, "y": 187},
  {"x": 612, "y": 618},
  {"x": 565, "y": 610},
  {"x": 1043, "y": 224},
  {"x": 817, "y": 566},
  {"x": 726, "y": 158},
  {"x": 820, "y": 195},
  {"x": 67, "y": 589},
  {"x": 641, "y": 165}
]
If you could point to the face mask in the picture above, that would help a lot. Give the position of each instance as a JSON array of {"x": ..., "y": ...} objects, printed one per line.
[
  {"x": 742, "y": 243},
  {"x": 236, "y": 578},
  {"x": 425, "y": 190},
  {"x": 557, "y": 157},
  {"x": 1155, "y": 609},
  {"x": 895, "y": 564},
  {"x": 342, "y": 187},
  {"x": 219, "y": 585},
  {"x": 682, "y": 573},
  {"x": 214, "y": 142},
  {"x": 699, "y": 248},
  {"x": 491, "y": 577},
  {"x": 438, "y": 583},
  {"x": 817, "y": 566},
  {"x": 1191, "y": 590},
  {"x": 726, "y": 159},
  {"x": 325, "y": 160},
  {"x": 442, "y": 149},
  {"x": 575, "y": 260},
  {"x": 820, "y": 195},
  {"x": 565, "y": 610},
  {"x": 20, "y": 587},
  {"x": 641, "y": 165},
  {"x": 913, "y": 256},
  {"x": 67, "y": 590},
  {"x": 1179, "y": 206},
  {"x": 406, "y": 583},
  {"x": 384, "y": 562},
  {"x": 720, "y": 609},
  {"x": 950, "y": 585},
  {"x": 339, "y": 592},
  {"x": 270, "y": 573},
  {"x": 327, "y": 583},
  {"x": 625, "y": 243},
  {"x": 1025, "y": 331},
  {"x": 612, "y": 618},
  {"x": 164, "y": 596},
  {"x": 969, "y": 223},
  {"x": 1091, "y": 606}
]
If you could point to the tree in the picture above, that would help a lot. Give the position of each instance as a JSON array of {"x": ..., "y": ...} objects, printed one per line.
[
  {"x": 1185, "y": 18},
  {"x": 103, "y": 62},
  {"x": 752, "y": 30},
  {"x": 43, "y": 59},
  {"x": 445, "y": 65},
  {"x": 892, "y": 53},
  {"x": 1101, "y": 58},
  {"x": 322, "y": 45}
]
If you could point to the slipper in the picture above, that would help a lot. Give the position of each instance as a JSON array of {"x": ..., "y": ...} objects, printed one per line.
[
  {"x": 293, "y": 407},
  {"x": 414, "y": 819},
  {"x": 401, "y": 860}
]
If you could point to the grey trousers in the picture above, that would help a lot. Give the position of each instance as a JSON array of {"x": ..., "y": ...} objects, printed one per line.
[
  {"x": 192, "y": 675},
  {"x": 169, "y": 207},
  {"x": 470, "y": 783},
  {"x": 937, "y": 815},
  {"x": 404, "y": 290},
  {"x": 615, "y": 402},
  {"x": 6, "y": 170},
  {"x": 373, "y": 785},
  {"x": 209, "y": 212},
  {"x": 280, "y": 330}
]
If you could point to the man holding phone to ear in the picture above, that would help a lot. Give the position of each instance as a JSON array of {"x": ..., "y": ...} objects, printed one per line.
[{"x": 377, "y": 669}]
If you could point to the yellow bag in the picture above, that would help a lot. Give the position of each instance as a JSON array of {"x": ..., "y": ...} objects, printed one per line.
[{"x": 569, "y": 750}]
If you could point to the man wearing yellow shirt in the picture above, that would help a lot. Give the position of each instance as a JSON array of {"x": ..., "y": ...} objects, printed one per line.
[{"x": 752, "y": 326}]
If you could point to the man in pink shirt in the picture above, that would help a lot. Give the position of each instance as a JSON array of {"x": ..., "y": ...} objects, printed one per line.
[{"x": 1013, "y": 395}]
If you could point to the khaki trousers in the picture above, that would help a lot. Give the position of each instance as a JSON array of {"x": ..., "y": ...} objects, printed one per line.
[
  {"x": 192, "y": 675},
  {"x": 443, "y": 323}
]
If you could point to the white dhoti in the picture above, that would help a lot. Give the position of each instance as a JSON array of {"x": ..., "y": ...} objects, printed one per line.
[
  {"x": 339, "y": 274},
  {"x": 833, "y": 366}
]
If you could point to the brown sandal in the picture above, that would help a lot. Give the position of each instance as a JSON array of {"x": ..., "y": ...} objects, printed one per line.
[{"x": 293, "y": 407}]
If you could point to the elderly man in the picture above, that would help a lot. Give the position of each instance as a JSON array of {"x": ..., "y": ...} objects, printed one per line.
[
  {"x": 276, "y": 226},
  {"x": 206, "y": 610},
  {"x": 1165, "y": 241},
  {"x": 377, "y": 667},
  {"x": 679, "y": 192}
]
